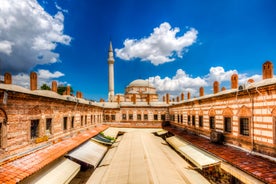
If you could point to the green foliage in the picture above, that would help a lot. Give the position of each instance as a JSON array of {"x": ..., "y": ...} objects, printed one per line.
[
  {"x": 45, "y": 87},
  {"x": 61, "y": 89}
]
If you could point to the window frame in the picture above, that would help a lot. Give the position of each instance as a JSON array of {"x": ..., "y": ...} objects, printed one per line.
[
  {"x": 47, "y": 127},
  {"x": 200, "y": 121},
  {"x": 212, "y": 122},
  {"x": 244, "y": 129},
  {"x": 226, "y": 127},
  {"x": 34, "y": 130},
  {"x": 65, "y": 121}
]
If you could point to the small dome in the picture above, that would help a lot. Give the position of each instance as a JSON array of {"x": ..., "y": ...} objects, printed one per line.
[{"x": 140, "y": 83}]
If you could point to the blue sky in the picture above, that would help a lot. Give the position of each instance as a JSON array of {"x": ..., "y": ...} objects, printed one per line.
[{"x": 179, "y": 45}]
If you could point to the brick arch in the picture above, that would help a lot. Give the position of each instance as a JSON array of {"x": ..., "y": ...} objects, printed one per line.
[
  {"x": 227, "y": 112},
  {"x": 244, "y": 111},
  {"x": 3, "y": 116},
  {"x": 212, "y": 112},
  {"x": 193, "y": 112},
  {"x": 200, "y": 112},
  {"x": 273, "y": 112}
]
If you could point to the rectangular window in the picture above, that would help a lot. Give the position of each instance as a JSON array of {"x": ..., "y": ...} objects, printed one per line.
[
  {"x": 113, "y": 117},
  {"x": 124, "y": 116},
  {"x": 155, "y": 116},
  {"x": 72, "y": 121},
  {"x": 189, "y": 119},
  {"x": 91, "y": 119},
  {"x": 64, "y": 123},
  {"x": 85, "y": 119},
  {"x": 200, "y": 121},
  {"x": 130, "y": 116},
  {"x": 48, "y": 125},
  {"x": 145, "y": 117},
  {"x": 34, "y": 128},
  {"x": 244, "y": 126},
  {"x": 138, "y": 116},
  {"x": 193, "y": 120},
  {"x": 81, "y": 120},
  {"x": 106, "y": 117},
  {"x": 163, "y": 117},
  {"x": 227, "y": 124},
  {"x": 212, "y": 122}
]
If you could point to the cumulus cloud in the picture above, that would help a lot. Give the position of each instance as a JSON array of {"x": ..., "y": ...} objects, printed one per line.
[
  {"x": 29, "y": 35},
  {"x": 160, "y": 47},
  {"x": 44, "y": 77},
  {"x": 219, "y": 74},
  {"x": 179, "y": 83},
  {"x": 183, "y": 82}
]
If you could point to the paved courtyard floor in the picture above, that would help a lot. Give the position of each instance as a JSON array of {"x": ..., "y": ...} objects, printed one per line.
[{"x": 140, "y": 157}]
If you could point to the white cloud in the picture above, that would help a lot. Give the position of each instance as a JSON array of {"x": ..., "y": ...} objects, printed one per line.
[
  {"x": 60, "y": 8},
  {"x": 44, "y": 77},
  {"x": 160, "y": 47},
  {"x": 179, "y": 83},
  {"x": 29, "y": 35},
  {"x": 219, "y": 74},
  {"x": 46, "y": 74},
  {"x": 183, "y": 82},
  {"x": 6, "y": 47}
]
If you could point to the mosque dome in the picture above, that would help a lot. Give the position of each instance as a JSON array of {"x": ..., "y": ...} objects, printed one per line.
[{"x": 140, "y": 83}]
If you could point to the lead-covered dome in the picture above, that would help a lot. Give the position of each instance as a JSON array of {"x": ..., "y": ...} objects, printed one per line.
[{"x": 140, "y": 83}]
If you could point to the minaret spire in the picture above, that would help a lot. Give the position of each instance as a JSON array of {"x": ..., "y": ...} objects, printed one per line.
[{"x": 110, "y": 61}]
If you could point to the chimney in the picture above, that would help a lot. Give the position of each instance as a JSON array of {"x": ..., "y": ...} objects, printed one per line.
[
  {"x": 267, "y": 70},
  {"x": 68, "y": 90},
  {"x": 223, "y": 88},
  {"x": 182, "y": 96},
  {"x": 78, "y": 94},
  {"x": 7, "y": 78},
  {"x": 177, "y": 98},
  {"x": 33, "y": 81},
  {"x": 234, "y": 81},
  {"x": 189, "y": 95},
  {"x": 167, "y": 98},
  {"x": 201, "y": 91},
  {"x": 164, "y": 98},
  {"x": 54, "y": 86},
  {"x": 250, "y": 81},
  {"x": 216, "y": 87}
]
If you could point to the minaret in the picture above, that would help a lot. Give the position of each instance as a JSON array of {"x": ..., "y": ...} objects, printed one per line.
[{"x": 110, "y": 61}]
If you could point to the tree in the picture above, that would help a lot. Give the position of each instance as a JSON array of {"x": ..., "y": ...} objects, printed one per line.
[
  {"x": 62, "y": 88},
  {"x": 45, "y": 87}
]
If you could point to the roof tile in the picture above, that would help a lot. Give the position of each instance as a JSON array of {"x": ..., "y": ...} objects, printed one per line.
[
  {"x": 259, "y": 167},
  {"x": 15, "y": 170}
]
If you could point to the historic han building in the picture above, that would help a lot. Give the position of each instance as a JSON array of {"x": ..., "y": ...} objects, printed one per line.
[{"x": 41, "y": 122}]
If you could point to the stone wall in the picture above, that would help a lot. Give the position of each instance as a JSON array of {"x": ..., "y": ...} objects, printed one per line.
[{"x": 22, "y": 113}]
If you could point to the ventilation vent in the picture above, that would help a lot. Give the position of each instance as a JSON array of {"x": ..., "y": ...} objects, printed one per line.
[{"x": 216, "y": 137}]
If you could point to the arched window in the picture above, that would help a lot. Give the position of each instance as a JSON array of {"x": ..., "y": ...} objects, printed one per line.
[{"x": 244, "y": 114}]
